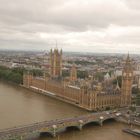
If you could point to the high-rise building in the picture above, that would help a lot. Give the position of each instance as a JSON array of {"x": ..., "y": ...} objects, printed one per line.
[{"x": 55, "y": 63}]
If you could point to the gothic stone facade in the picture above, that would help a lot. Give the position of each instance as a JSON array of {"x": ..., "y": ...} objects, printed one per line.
[{"x": 88, "y": 95}]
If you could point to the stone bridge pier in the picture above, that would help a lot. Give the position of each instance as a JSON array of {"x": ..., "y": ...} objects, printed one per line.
[{"x": 78, "y": 124}]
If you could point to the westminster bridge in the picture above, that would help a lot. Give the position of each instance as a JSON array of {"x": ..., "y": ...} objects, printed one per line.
[{"x": 54, "y": 127}]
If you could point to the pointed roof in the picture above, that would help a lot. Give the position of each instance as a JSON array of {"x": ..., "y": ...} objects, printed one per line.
[
  {"x": 117, "y": 86},
  {"x": 128, "y": 58},
  {"x": 107, "y": 76},
  {"x": 73, "y": 65},
  {"x": 128, "y": 66}
]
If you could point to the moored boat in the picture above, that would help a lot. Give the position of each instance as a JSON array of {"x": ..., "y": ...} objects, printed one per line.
[{"x": 135, "y": 132}]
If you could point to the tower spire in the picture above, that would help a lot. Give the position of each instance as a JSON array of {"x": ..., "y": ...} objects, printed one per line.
[
  {"x": 117, "y": 87},
  {"x": 128, "y": 65},
  {"x": 73, "y": 73},
  {"x": 128, "y": 57}
]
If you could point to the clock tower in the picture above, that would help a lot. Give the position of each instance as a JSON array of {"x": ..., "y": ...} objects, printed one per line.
[{"x": 127, "y": 81}]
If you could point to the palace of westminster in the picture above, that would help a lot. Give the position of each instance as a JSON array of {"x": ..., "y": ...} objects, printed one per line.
[{"x": 89, "y": 93}]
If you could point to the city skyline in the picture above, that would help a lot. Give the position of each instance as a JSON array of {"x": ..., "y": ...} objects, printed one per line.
[{"x": 100, "y": 26}]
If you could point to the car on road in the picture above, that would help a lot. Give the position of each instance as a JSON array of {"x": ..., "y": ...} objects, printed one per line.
[
  {"x": 118, "y": 114},
  {"x": 107, "y": 112},
  {"x": 137, "y": 114},
  {"x": 114, "y": 111}
]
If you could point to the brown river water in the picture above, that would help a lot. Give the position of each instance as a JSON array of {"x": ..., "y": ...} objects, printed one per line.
[{"x": 19, "y": 106}]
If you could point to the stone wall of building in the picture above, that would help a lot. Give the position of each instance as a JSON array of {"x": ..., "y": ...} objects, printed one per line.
[{"x": 88, "y": 99}]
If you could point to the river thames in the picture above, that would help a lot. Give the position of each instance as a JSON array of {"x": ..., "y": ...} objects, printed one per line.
[{"x": 19, "y": 106}]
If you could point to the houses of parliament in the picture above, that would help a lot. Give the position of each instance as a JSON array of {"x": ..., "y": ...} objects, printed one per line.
[{"x": 85, "y": 93}]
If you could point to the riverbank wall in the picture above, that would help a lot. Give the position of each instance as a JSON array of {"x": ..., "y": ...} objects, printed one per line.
[{"x": 53, "y": 95}]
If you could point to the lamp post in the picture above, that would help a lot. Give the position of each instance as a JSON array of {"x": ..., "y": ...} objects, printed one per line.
[
  {"x": 80, "y": 124},
  {"x": 101, "y": 120},
  {"x": 54, "y": 130}
]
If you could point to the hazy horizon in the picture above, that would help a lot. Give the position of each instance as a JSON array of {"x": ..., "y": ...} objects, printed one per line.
[{"x": 68, "y": 52}]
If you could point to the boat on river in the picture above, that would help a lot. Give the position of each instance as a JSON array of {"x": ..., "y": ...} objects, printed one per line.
[{"x": 135, "y": 132}]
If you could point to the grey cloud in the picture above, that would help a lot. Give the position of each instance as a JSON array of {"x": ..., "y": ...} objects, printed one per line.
[
  {"x": 133, "y": 4},
  {"x": 72, "y": 16},
  {"x": 23, "y": 21}
]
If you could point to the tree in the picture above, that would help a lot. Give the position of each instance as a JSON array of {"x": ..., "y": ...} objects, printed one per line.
[
  {"x": 99, "y": 76},
  {"x": 135, "y": 90},
  {"x": 37, "y": 72},
  {"x": 65, "y": 73},
  {"x": 13, "y": 75},
  {"x": 138, "y": 99},
  {"x": 82, "y": 74}
]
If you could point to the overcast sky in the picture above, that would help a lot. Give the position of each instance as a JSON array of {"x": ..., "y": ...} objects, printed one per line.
[{"x": 77, "y": 25}]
